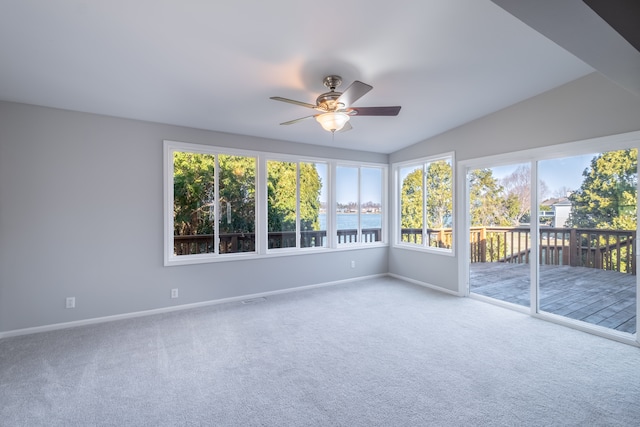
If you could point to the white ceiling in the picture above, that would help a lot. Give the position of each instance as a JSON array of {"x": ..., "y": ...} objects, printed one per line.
[{"x": 214, "y": 64}]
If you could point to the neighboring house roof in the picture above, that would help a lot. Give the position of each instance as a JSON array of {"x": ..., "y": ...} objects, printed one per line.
[{"x": 556, "y": 201}]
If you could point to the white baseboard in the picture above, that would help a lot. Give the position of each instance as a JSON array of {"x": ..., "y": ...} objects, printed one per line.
[
  {"x": 92, "y": 321},
  {"x": 426, "y": 285}
]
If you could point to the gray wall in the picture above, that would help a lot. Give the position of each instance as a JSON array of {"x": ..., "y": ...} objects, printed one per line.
[
  {"x": 81, "y": 215},
  {"x": 589, "y": 107},
  {"x": 81, "y": 205}
]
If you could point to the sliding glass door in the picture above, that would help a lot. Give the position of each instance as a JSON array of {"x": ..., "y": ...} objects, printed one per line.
[
  {"x": 556, "y": 234},
  {"x": 500, "y": 233},
  {"x": 587, "y": 240}
]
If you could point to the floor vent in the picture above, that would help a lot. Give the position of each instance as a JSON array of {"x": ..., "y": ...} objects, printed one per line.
[{"x": 254, "y": 300}]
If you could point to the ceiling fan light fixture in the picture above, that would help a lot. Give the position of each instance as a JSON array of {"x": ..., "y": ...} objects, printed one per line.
[{"x": 332, "y": 121}]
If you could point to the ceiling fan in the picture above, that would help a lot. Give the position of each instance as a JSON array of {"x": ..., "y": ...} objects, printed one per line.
[{"x": 335, "y": 107}]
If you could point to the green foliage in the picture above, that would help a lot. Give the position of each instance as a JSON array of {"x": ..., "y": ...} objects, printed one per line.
[
  {"x": 433, "y": 193},
  {"x": 194, "y": 196},
  {"x": 411, "y": 200},
  {"x": 607, "y": 196},
  {"x": 487, "y": 208},
  {"x": 439, "y": 194},
  {"x": 281, "y": 195},
  {"x": 193, "y": 193},
  {"x": 237, "y": 190},
  {"x": 310, "y": 187},
  {"x": 547, "y": 220}
]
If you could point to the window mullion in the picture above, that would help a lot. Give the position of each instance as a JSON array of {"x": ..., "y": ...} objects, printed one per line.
[
  {"x": 298, "y": 232},
  {"x": 332, "y": 228},
  {"x": 358, "y": 204},
  {"x": 261, "y": 228},
  {"x": 425, "y": 228},
  {"x": 216, "y": 205}
]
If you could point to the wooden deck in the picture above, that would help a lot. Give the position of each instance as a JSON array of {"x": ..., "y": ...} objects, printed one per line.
[{"x": 599, "y": 297}]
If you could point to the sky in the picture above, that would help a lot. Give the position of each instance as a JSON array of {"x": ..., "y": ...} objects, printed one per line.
[
  {"x": 347, "y": 180},
  {"x": 564, "y": 172}
]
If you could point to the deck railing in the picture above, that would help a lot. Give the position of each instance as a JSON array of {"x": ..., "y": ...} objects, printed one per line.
[
  {"x": 436, "y": 238},
  {"x": 577, "y": 247},
  {"x": 246, "y": 242}
]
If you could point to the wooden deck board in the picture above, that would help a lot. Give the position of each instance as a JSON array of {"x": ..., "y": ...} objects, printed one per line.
[{"x": 599, "y": 297}]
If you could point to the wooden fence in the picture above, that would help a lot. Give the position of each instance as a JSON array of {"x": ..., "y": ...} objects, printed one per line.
[
  {"x": 576, "y": 247},
  {"x": 246, "y": 242}
]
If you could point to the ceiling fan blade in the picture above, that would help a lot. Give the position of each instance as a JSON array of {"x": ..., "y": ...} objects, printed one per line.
[
  {"x": 347, "y": 126},
  {"x": 290, "y": 122},
  {"x": 375, "y": 111},
  {"x": 291, "y": 101},
  {"x": 355, "y": 91}
]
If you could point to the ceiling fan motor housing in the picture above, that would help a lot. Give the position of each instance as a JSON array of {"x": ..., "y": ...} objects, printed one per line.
[{"x": 328, "y": 101}]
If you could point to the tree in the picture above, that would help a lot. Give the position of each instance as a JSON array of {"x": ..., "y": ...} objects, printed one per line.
[
  {"x": 561, "y": 192},
  {"x": 310, "y": 188},
  {"x": 517, "y": 194},
  {"x": 607, "y": 196},
  {"x": 193, "y": 193},
  {"x": 282, "y": 192},
  {"x": 439, "y": 194},
  {"x": 411, "y": 200},
  {"x": 281, "y": 196},
  {"x": 485, "y": 198},
  {"x": 237, "y": 192},
  {"x": 517, "y": 187}
]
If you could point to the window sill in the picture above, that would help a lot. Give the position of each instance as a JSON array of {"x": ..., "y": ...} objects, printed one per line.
[
  {"x": 426, "y": 249},
  {"x": 271, "y": 253}
]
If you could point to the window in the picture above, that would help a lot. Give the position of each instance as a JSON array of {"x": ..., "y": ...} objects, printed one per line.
[
  {"x": 222, "y": 203},
  {"x": 425, "y": 203},
  {"x": 313, "y": 205},
  {"x": 213, "y": 203},
  {"x": 237, "y": 206},
  {"x": 282, "y": 183},
  {"x": 359, "y": 207},
  {"x": 294, "y": 204}
]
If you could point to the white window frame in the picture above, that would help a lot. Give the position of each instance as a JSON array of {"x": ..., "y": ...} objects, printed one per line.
[
  {"x": 384, "y": 202},
  {"x": 261, "y": 229},
  {"x": 397, "y": 222},
  {"x": 534, "y": 156},
  {"x": 268, "y": 157},
  {"x": 170, "y": 258}
]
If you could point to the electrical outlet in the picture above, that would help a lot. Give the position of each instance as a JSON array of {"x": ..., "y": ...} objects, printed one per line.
[
  {"x": 174, "y": 293},
  {"x": 353, "y": 264},
  {"x": 71, "y": 302}
]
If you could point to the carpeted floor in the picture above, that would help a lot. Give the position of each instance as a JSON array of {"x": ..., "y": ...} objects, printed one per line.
[{"x": 371, "y": 353}]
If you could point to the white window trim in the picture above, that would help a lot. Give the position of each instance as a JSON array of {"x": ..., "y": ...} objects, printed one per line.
[
  {"x": 384, "y": 202},
  {"x": 169, "y": 146},
  {"x": 397, "y": 213},
  {"x": 265, "y": 158},
  {"x": 533, "y": 156}
]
